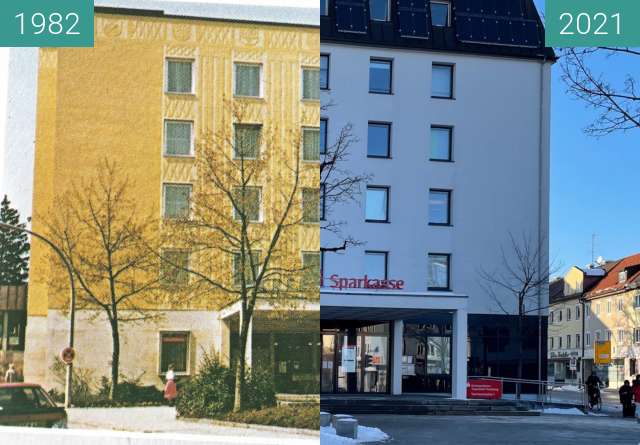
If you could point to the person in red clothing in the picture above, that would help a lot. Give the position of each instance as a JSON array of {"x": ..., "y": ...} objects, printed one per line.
[
  {"x": 170, "y": 389},
  {"x": 636, "y": 389}
]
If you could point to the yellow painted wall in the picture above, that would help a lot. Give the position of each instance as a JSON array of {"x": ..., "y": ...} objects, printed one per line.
[{"x": 109, "y": 102}]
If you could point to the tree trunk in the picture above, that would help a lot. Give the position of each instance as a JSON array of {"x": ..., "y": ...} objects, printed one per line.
[
  {"x": 520, "y": 349},
  {"x": 115, "y": 358},
  {"x": 238, "y": 401}
]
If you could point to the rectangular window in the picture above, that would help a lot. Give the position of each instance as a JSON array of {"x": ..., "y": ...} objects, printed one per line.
[
  {"x": 608, "y": 335},
  {"x": 578, "y": 341},
  {"x": 247, "y": 203},
  {"x": 559, "y": 316},
  {"x": 380, "y": 74},
  {"x": 439, "y": 207},
  {"x": 637, "y": 301},
  {"x": 438, "y": 271},
  {"x": 249, "y": 274},
  {"x": 597, "y": 335},
  {"x": 550, "y": 342},
  {"x": 176, "y": 200},
  {"x": 324, "y": 7},
  {"x": 440, "y": 13},
  {"x": 379, "y": 10},
  {"x": 620, "y": 305},
  {"x": 248, "y": 80},
  {"x": 577, "y": 312},
  {"x": 608, "y": 306},
  {"x": 324, "y": 71},
  {"x": 174, "y": 351},
  {"x": 442, "y": 81},
  {"x": 375, "y": 265},
  {"x": 377, "y": 204},
  {"x": 597, "y": 308},
  {"x": 568, "y": 314},
  {"x": 587, "y": 310},
  {"x": 587, "y": 339},
  {"x": 379, "y": 140},
  {"x": 323, "y": 202},
  {"x": 178, "y": 138},
  {"x": 622, "y": 276},
  {"x": 311, "y": 269},
  {"x": 323, "y": 136},
  {"x": 173, "y": 265},
  {"x": 311, "y": 144},
  {"x": 441, "y": 143},
  {"x": 551, "y": 317},
  {"x": 247, "y": 141},
  {"x": 636, "y": 335},
  {"x": 310, "y": 205},
  {"x": 179, "y": 76},
  {"x": 16, "y": 326},
  {"x": 568, "y": 341},
  {"x": 559, "y": 342},
  {"x": 310, "y": 83}
]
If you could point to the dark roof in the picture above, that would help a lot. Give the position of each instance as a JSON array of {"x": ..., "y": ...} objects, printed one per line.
[
  {"x": 611, "y": 284},
  {"x": 469, "y": 21},
  {"x": 556, "y": 290}
]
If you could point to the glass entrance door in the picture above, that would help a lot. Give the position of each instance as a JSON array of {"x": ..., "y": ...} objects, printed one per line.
[
  {"x": 426, "y": 358},
  {"x": 328, "y": 361}
]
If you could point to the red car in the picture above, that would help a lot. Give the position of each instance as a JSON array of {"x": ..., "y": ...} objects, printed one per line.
[{"x": 27, "y": 404}]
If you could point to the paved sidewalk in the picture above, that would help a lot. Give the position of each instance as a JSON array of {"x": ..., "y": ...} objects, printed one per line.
[
  {"x": 163, "y": 420},
  {"x": 493, "y": 430}
]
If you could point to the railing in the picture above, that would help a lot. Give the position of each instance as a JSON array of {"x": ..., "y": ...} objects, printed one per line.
[{"x": 547, "y": 391}]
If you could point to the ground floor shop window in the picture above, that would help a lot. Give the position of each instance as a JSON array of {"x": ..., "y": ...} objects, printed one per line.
[
  {"x": 12, "y": 330},
  {"x": 355, "y": 357},
  {"x": 426, "y": 357},
  {"x": 174, "y": 350}
]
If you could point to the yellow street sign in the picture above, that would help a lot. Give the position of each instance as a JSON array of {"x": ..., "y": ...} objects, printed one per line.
[{"x": 602, "y": 354}]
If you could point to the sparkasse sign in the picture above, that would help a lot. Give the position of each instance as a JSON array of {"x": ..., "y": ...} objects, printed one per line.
[{"x": 340, "y": 283}]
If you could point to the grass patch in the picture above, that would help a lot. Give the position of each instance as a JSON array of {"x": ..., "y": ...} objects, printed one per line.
[{"x": 288, "y": 416}]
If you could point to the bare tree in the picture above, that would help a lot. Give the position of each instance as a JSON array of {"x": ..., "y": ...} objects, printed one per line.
[
  {"x": 617, "y": 102},
  {"x": 106, "y": 238},
  {"x": 338, "y": 184},
  {"x": 253, "y": 201},
  {"x": 521, "y": 280}
]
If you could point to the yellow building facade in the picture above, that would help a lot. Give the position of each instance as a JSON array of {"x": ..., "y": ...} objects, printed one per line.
[{"x": 115, "y": 102}]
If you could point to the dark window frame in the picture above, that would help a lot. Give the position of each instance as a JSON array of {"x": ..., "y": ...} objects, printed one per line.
[
  {"x": 389, "y": 17},
  {"x": 323, "y": 150},
  {"x": 449, "y": 194},
  {"x": 441, "y": 2},
  {"x": 328, "y": 57},
  {"x": 323, "y": 202},
  {"x": 186, "y": 334},
  {"x": 388, "y": 191},
  {"x": 448, "y": 287},
  {"x": 452, "y": 79},
  {"x": 390, "y": 63},
  {"x": 386, "y": 260},
  {"x": 442, "y": 127},
  {"x": 389, "y": 126}
]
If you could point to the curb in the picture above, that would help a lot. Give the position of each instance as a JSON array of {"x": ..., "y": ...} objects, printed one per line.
[{"x": 253, "y": 426}]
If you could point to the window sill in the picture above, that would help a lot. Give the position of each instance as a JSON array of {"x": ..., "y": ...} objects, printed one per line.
[
  {"x": 378, "y": 157},
  {"x": 383, "y": 93},
  {"x": 377, "y": 221},
  {"x": 443, "y": 97},
  {"x": 441, "y": 224},
  {"x": 253, "y": 98},
  {"x": 181, "y": 95},
  {"x": 310, "y": 223},
  {"x": 311, "y": 161},
  {"x": 446, "y": 161},
  {"x": 439, "y": 289},
  {"x": 311, "y": 101},
  {"x": 170, "y": 156}
]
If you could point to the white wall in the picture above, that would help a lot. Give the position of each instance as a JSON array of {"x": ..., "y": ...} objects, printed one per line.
[{"x": 495, "y": 176}]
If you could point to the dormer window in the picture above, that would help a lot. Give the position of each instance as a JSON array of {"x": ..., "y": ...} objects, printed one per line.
[
  {"x": 622, "y": 276},
  {"x": 440, "y": 13},
  {"x": 379, "y": 10}
]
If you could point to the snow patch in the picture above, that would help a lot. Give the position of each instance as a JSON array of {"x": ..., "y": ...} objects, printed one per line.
[
  {"x": 365, "y": 434},
  {"x": 571, "y": 388},
  {"x": 564, "y": 411}
]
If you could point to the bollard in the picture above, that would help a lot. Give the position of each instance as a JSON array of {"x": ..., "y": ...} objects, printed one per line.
[
  {"x": 347, "y": 428},
  {"x": 335, "y": 418},
  {"x": 325, "y": 419}
]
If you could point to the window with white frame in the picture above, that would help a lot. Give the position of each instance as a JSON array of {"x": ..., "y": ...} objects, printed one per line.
[
  {"x": 620, "y": 305},
  {"x": 622, "y": 276},
  {"x": 248, "y": 82},
  {"x": 177, "y": 199},
  {"x": 637, "y": 301},
  {"x": 597, "y": 311},
  {"x": 608, "y": 306},
  {"x": 247, "y": 141},
  {"x": 621, "y": 335},
  {"x": 174, "y": 352},
  {"x": 310, "y": 144},
  {"x": 311, "y": 83},
  {"x": 247, "y": 203},
  {"x": 249, "y": 271},
  {"x": 179, "y": 76},
  {"x": 178, "y": 138}
]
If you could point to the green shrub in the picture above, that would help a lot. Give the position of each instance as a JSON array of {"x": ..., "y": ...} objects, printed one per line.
[
  {"x": 259, "y": 390},
  {"x": 209, "y": 393},
  {"x": 81, "y": 386},
  {"x": 130, "y": 392},
  {"x": 288, "y": 416}
]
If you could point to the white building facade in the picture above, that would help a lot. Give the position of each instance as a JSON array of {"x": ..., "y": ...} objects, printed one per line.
[{"x": 453, "y": 140}]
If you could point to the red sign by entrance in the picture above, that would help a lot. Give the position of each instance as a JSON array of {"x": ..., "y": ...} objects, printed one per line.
[
  {"x": 338, "y": 282},
  {"x": 484, "y": 389}
]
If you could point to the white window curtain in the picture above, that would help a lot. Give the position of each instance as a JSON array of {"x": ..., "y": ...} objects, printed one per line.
[
  {"x": 311, "y": 144},
  {"x": 248, "y": 80},
  {"x": 178, "y": 138},
  {"x": 179, "y": 76},
  {"x": 311, "y": 84}
]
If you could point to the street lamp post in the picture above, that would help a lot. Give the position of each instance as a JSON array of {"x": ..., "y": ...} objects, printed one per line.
[{"x": 72, "y": 311}]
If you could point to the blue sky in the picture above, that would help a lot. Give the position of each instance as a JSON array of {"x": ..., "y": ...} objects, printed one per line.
[{"x": 593, "y": 180}]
